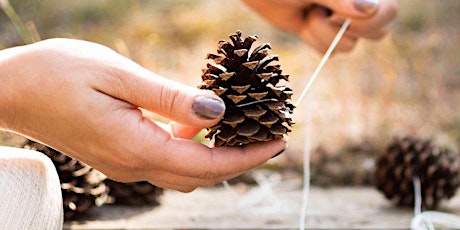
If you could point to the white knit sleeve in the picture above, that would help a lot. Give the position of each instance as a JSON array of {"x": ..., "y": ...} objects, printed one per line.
[{"x": 30, "y": 193}]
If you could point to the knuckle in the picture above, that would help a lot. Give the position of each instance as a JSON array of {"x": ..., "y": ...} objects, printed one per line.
[
  {"x": 169, "y": 98},
  {"x": 209, "y": 174}
]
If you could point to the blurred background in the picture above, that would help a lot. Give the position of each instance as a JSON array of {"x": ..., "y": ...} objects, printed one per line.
[{"x": 405, "y": 84}]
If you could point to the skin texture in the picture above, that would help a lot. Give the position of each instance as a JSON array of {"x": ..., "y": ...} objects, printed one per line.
[
  {"x": 83, "y": 99},
  {"x": 319, "y": 27}
]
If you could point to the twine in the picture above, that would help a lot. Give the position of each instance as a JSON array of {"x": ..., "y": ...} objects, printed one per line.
[
  {"x": 430, "y": 220},
  {"x": 306, "y": 163}
]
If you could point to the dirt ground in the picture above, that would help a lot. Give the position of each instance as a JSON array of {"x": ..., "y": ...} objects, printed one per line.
[{"x": 259, "y": 208}]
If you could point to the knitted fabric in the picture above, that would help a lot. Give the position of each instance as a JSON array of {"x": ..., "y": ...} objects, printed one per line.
[{"x": 30, "y": 193}]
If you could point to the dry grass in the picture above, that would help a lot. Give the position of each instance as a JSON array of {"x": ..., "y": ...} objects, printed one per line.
[{"x": 405, "y": 84}]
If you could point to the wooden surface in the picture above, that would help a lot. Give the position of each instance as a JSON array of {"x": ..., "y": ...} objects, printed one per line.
[{"x": 258, "y": 208}]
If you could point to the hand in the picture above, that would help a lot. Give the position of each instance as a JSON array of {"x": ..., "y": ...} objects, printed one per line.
[
  {"x": 316, "y": 22},
  {"x": 83, "y": 99}
]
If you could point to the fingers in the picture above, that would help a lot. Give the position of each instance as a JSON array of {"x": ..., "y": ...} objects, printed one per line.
[
  {"x": 189, "y": 158},
  {"x": 354, "y": 9},
  {"x": 185, "y": 184},
  {"x": 178, "y": 102},
  {"x": 370, "y": 18},
  {"x": 178, "y": 130},
  {"x": 146, "y": 152},
  {"x": 378, "y": 25},
  {"x": 183, "y": 131},
  {"x": 193, "y": 165},
  {"x": 320, "y": 29}
]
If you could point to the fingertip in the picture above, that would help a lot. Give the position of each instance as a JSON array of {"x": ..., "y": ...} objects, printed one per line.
[
  {"x": 279, "y": 153},
  {"x": 351, "y": 8},
  {"x": 187, "y": 189},
  {"x": 269, "y": 149},
  {"x": 367, "y": 7}
]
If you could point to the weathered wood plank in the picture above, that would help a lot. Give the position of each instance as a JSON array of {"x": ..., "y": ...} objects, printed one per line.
[{"x": 218, "y": 208}]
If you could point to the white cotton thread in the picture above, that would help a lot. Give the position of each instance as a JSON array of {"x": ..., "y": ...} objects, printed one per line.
[
  {"x": 323, "y": 61},
  {"x": 417, "y": 195},
  {"x": 256, "y": 102},
  {"x": 429, "y": 220},
  {"x": 306, "y": 167},
  {"x": 307, "y": 147},
  {"x": 306, "y": 162}
]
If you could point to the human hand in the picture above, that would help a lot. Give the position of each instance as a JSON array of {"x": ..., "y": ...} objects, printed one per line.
[
  {"x": 316, "y": 22},
  {"x": 83, "y": 99}
]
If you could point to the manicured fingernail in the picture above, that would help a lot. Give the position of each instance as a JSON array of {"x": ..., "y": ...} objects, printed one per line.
[
  {"x": 208, "y": 107},
  {"x": 282, "y": 151},
  {"x": 367, "y": 6}
]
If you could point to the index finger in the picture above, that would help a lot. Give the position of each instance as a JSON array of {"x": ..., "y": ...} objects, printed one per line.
[{"x": 351, "y": 8}]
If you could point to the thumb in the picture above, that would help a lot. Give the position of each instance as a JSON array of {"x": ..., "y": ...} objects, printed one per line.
[
  {"x": 351, "y": 8},
  {"x": 181, "y": 103}
]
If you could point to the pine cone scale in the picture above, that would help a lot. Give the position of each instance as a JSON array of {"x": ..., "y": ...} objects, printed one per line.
[{"x": 84, "y": 188}]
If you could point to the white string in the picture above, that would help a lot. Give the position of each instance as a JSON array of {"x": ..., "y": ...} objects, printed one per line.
[
  {"x": 227, "y": 185},
  {"x": 427, "y": 220},
  {"x": 326, "y": 56},
  {"x": 307, "y": 147},
  {"x": 306, "y": 166},
  {"x": 256, "y": 102},
  {"x": 417, "y": 195}
]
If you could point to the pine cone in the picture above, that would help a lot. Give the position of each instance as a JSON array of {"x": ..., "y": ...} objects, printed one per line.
[
  {"x": 136, "y": 193},
  {"x": 257, "y": 109},
  {"x": 82, "y": 187},
  {"x": 406, "y": 158}
]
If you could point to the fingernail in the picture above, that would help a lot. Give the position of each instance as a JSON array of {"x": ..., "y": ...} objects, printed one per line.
[
  {"x": 208, "y": 107},
  {"x": 367, "y": 6},
  {"x": 282, "y": 151}
]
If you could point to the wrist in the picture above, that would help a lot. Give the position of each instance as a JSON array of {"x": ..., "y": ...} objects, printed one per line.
[{"x": 9, "y": 70}]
